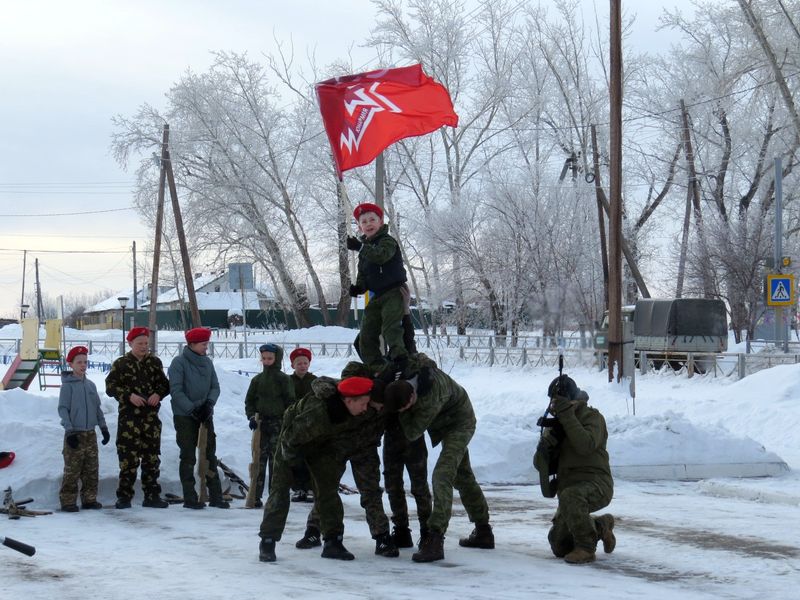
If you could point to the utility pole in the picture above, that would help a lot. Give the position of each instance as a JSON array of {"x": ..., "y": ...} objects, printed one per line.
[
  {"x": 135, "y": 288},
  {"x": 151, "y": 321},
  {"x": 39, "y": 307},
  {"x": 187, "y": 267},
  {"x": 780, "y": 329},
  {"x": 22, "y": 299},
  {"x": 601, "y": 222},
  {"x": 615, "y": 195}
]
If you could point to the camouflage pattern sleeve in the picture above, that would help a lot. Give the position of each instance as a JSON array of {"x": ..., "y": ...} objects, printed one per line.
[
  {"x": 288, "y": 391},
  {"x": 381, "y": 252},
  {"x": 159, "y": 378},
  {"x": 251, "y": 397},
  {"x": 116, "y": 385},
  {"x": 586, "y": 434}
]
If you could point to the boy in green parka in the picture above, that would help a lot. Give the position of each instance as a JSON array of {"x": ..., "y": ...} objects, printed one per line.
[{"x": 269, "y": 395}]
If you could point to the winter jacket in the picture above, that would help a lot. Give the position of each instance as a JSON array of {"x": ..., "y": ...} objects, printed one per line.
[
  {"x": 380, "y": 263},
  {"x": 442, "y": 408},
  {"x": 192, "y": 382},
  {"x": 130, "y": 375},
  {"x": 79, "y": 404},
  {"x": 302, "y": 387},
  {"x": 581, "y": 454},
  {"x": 270, "y": 392}
]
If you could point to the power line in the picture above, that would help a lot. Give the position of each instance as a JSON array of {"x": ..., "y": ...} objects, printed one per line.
[{"x": 70, "y": 214}]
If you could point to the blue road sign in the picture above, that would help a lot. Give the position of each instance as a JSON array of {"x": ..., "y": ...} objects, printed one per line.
[{"x": 780, "y": 290}]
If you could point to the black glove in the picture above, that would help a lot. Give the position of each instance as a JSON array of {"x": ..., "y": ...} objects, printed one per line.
[
  {"x": 562, "y": 405},
  {"x": 353, "y": 243},
  {"x": 72, "y": 441},
  {"x": 356, "y": 291},
  {"x": 106, "y": 435},
  {"x": 204, "y": 412},
  {"x": 253, "y": 424}
]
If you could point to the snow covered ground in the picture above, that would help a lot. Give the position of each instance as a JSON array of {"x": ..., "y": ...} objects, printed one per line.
[{"x": 712, "y": 538}]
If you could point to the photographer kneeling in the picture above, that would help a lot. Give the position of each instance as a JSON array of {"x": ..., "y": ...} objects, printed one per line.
[{"x": 572, "y": 461}]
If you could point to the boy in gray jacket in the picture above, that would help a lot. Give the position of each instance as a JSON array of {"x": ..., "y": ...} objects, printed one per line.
[{"x": 80, "y": 412}]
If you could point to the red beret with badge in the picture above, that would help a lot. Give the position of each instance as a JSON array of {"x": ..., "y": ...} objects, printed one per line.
[
  {"x": 354, "y": 386},
  {"x": 73, "y": 352},
  {"x": 136, "y": 332},
  {"x": 198, "y": 334}
]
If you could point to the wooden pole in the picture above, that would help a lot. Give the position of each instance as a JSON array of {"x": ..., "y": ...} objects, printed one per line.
[
  {"x": 380, "y": 178},
  {"x": 598, "y": 188},
  {"x": 22, "y": 298},
  {"x": 151, "y": 321},
  {"x": 615, "y": 193}
]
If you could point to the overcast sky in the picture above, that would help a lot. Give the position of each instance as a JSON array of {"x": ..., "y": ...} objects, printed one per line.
[{"x": 68, "y": 67}]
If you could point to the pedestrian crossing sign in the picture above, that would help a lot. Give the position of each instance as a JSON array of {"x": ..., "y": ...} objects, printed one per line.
[{"x": 780, "y": 290}]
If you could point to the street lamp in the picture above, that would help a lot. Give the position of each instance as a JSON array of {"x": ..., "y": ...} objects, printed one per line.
[
  {"x": 123, "y": 302},
  {"x": 24, "y": 309}
]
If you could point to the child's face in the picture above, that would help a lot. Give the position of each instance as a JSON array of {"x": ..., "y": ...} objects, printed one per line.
[
  {"x": 267, "y": 358},
  {"x": 357, "y": 405},
  {"x": 369, "y": 223},
  {"x": 300, "y": 365},
  {"x": 79, "y": 364}
]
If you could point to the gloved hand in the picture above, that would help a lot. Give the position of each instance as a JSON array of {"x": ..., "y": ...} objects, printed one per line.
[
  {"x": 106, "y": 435},
  {"x": 204, "y": 412},
  {"x": 353, "y": 243},
  {"x": 356, "y": 291},
  {"x": 72, "y": 441},
  {"x": 253, "y": 424},
  {"x": 561, "y": 405}
]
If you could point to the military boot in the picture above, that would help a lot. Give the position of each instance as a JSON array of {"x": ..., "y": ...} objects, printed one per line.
[
  {"x": 69, "y": 508},
  {"x": 424, "y": 532},
  {"x": 333, "y": 548},
  {"x": 309, "y": 540},
  {"x": 580, "y": 556},
  {"x": 431, "y": 548},
  {"x": 385, "y": 546},
  {"x": 481, "y": 537},
  {"x": 94, "y": 505},
  {"x": 155, "y": 502},
  {"x": 219, "y": 503},
  {"x": 123, "y": 503},
  {"x": 266, "y": 550},
  {"x": 605, "y": 532},
  {"x": 401, "y": 536}
]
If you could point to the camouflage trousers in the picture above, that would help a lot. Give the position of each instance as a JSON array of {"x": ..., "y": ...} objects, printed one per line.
[
  {"x": 187, "y": 430},
  {"x": 400, "y": 454},
  {"x": 270, "y": 431},
  {"x": 573, "y": 524},
  {"x": 139, "y": 444},
  {"x": 366, "y": 467},
  {"x": 81, "y": 465},
  {"x": 453, "y": 470},
  {"x": 383, "y": 316}
]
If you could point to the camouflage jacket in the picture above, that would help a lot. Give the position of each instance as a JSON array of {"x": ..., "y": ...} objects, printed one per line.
[
  {"x": 380, "y": 263},
  {"x": 320, "y": 422},
  {"x": 270, "y": 392},
  {"x": 440, "y": 409},
  {"x": 144, "y": 377}
]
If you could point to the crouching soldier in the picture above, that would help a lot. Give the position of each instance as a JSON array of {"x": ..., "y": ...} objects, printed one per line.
[
  {"x": 572, "y": 461},
  {"x": 442, "y": 407},
  {"x": 323, "y": 430},
  {"x": 138, "y": 383}
]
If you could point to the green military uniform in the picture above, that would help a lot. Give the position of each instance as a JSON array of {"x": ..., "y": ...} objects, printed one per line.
[
  {"x": 138, "y": 427},
  {"x": 270, "y": 394},
  {"x": 193, "y": 383},
  {"x": 443, "y": 409},
  {"x": 302, "y": 387},
  {"x": 583, "y": 475},
  {"x": 319, "y": 430},
  {"x": 381, "y": 274}
]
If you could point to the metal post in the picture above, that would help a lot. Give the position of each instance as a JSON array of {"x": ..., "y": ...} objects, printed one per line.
[{"x": 779, "y": 328}]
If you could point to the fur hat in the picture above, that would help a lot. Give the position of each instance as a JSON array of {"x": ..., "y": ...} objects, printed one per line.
[
  {"x": 563, "y": 386},
  {"x": 136, "y": 332},
  {"x": 299, "y": 352},
  {"x": 198, "y": 334},
  {"x": 366, "y": 207},
  {"x": 354, "y": 386},
  {"x": 73, "y": 352}
]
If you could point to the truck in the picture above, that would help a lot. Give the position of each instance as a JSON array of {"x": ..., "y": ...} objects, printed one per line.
[{"x": 664, "y": 328}]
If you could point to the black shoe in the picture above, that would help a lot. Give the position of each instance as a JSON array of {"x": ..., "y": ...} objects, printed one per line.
[
  {"x": 299, "y": 496},
  {"x": 266, "y": 550},
  {"x": 219, "y": 504},
  {"x": 70, "y": 508},
  {"x": 258, "y": 504},
  {"x": 155, "y": 502},
  {"x": 481, "y": 537},
  {"x": 309, "y": 540},
  {"x": 123, "y": 503},
  {"x": 95, "y": 505},
  {"x": 401, "y": 536},
  {"x": 384, "y": 546},
  {"x": 193, "y": 504},
  {"x": 431, "y": 548},
  {"x": 333, "y": 548}
]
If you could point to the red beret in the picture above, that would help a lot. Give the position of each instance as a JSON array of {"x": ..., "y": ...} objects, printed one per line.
[
  {"x": 367, "y": 207},
  {"x": 136, "y": 332},
  {"x": 73, "y": 352},
  {"x": 198, "y": 334},
  {"x": 300, "y": 352},
  {"x": 354, "y": 386}
]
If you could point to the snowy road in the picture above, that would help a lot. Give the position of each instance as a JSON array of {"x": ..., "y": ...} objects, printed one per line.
[{"x": 675, "y": 540}]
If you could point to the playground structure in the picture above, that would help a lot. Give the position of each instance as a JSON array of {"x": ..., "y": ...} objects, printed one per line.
[{"x": 32, "y": 360}]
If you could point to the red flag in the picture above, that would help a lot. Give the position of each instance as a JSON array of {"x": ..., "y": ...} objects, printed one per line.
[{"x": 365, "y": 113}]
